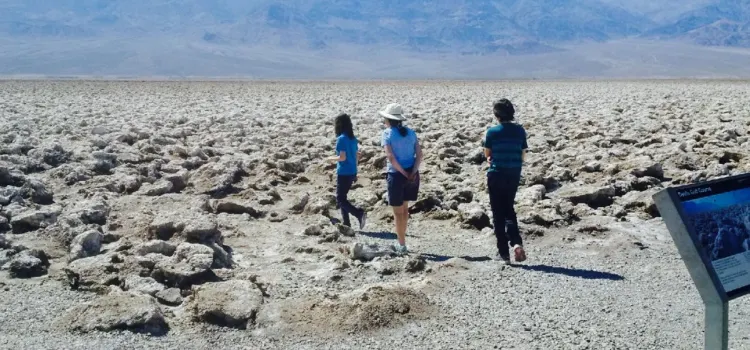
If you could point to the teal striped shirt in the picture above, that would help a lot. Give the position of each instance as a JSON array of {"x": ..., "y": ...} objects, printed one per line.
[{"x": 507, "y": 142}]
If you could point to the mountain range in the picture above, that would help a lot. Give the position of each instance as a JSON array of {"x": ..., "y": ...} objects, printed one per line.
[{"x": 301, "y": 37}]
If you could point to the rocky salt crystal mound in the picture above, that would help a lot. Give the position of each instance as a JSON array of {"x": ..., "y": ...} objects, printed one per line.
[{"x": 172, "y": 202}]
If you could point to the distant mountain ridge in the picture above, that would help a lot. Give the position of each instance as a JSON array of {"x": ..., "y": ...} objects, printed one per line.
[
  {"x": 471, "y": 26},
  {"x": 429, "y": 27}
]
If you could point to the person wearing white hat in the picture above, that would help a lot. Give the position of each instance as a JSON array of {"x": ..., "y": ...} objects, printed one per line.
[{"x": 404, "y": 156}]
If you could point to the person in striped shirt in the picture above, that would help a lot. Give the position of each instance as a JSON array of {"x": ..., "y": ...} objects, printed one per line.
[{"x": 505, "y": 148}]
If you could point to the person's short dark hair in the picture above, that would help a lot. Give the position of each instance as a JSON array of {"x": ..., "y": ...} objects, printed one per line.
[{"x": 503, "y": 110}]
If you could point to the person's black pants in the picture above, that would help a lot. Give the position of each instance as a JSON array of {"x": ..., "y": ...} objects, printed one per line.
[
  {"x": 343, "y": 185},
  {"x": 503, "y": 187}
]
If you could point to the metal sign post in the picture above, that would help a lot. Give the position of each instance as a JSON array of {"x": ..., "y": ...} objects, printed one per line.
[{"x": 710, "y": 225}]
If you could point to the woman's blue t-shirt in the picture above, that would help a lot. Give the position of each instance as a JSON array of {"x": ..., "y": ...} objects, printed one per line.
[
  {"x": 403, "y": 147},
  {"x": 348, "y": 145}
]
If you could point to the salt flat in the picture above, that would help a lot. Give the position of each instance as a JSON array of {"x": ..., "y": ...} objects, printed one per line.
[{"x": 198, "y": 214}]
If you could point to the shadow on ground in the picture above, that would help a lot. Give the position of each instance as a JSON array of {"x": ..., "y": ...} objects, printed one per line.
[
  {"x": 387, "y": 235},
  {"x": 579, "y": 273},
  {"x": 441, "y": 258}
]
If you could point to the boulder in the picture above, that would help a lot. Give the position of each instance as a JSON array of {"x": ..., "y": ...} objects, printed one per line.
[
  {"x": 117, "y": 311},
  {"x": 299, "y": 204},
  {"x": 232, "y": 303},
  {"x": 144, "y": 285},
  {"x": 125, "y": 184},
  {"x": 476, "y": 157},
  {"x": 157, "y": 188},
  {"x": 203, "y": 231},
  {"x": 322, "y": 205},
  {"x": 90, "y": 212},
  {"x": 33, "y": 220},
  {"x": 593, "y": 196},
  {"x": 642, "y": 166},
  {"x": 292, "y": 166},
  {"x": 11, "y": 177},
  {"x": 233, "y": 207},
  {"x": 86, "y": 244},
  {"x": 531, "y": 195},
  {"x": 367, "y": 252},
  {"x": 190, "y": 265},
  {"x": 216, "y": 178},
  {"x": 28, "y": 263},
  {"x": 170, "y": 297},
  {"x": 473, "y": 216},
  {"x": 641, "y": 203},
  {"x": 37, "y": 192},
  {"x": 4, "y": 224},
  {"x": 155, "y": 247},
  {"x": 198, "y": 256},
  {"x": 313, "y": 230},
  {"x": 93, "y": 274}
]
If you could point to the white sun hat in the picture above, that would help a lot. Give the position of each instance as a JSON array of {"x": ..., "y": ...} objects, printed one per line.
[{"x": 393, "y": 111}]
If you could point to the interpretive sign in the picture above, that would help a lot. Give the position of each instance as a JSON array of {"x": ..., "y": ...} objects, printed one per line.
[{"x": 710, "y": 224}]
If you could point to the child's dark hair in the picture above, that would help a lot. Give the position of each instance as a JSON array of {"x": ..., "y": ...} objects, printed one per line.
[
  {"x": 398, "y": 125},
  {"x": 344, "y": 126},
  {"x": 503, "y": 110}
]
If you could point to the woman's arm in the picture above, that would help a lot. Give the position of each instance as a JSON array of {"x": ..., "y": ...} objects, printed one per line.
[
  {"x": 394, "y": 162},
  {"x": 340, "y": 158},
  {"x": 417, "y": 161}
]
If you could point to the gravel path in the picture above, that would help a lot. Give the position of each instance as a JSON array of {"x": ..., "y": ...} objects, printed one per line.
[{"x": 588, "y": 294}]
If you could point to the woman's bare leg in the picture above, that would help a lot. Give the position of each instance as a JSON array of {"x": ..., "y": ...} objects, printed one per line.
[{"x": 400, "y": 214}]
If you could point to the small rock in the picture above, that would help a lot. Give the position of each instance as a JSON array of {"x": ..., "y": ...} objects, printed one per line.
[
  {"x": 346, "y": 230},
  {"x": 314, "y": 230},
  {"x": 170, "y": 296},
  {"x": 86, "y": 244},
  {"x": 415, "y": 264},
  {"x": 300, "y": 203},
  {"x": 29, "y": 263}
]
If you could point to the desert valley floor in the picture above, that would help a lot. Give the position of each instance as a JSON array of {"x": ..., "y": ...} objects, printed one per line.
[{"x": 194, "y": 215}]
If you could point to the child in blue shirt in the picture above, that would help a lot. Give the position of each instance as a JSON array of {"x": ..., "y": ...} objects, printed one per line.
[{"x": 347, "y": 155}]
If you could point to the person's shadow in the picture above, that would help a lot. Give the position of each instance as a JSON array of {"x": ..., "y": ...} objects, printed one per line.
[
  {"x": 442, "y": 258},
  {"x": 385, "y": 235},
  {"x": 570, "y": 272}
]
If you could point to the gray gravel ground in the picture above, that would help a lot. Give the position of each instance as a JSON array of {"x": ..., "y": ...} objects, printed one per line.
[{"x": 587, "y": 294}]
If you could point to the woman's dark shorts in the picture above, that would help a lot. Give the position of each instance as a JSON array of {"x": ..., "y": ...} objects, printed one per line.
[{"x": 400, "y": 189}]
